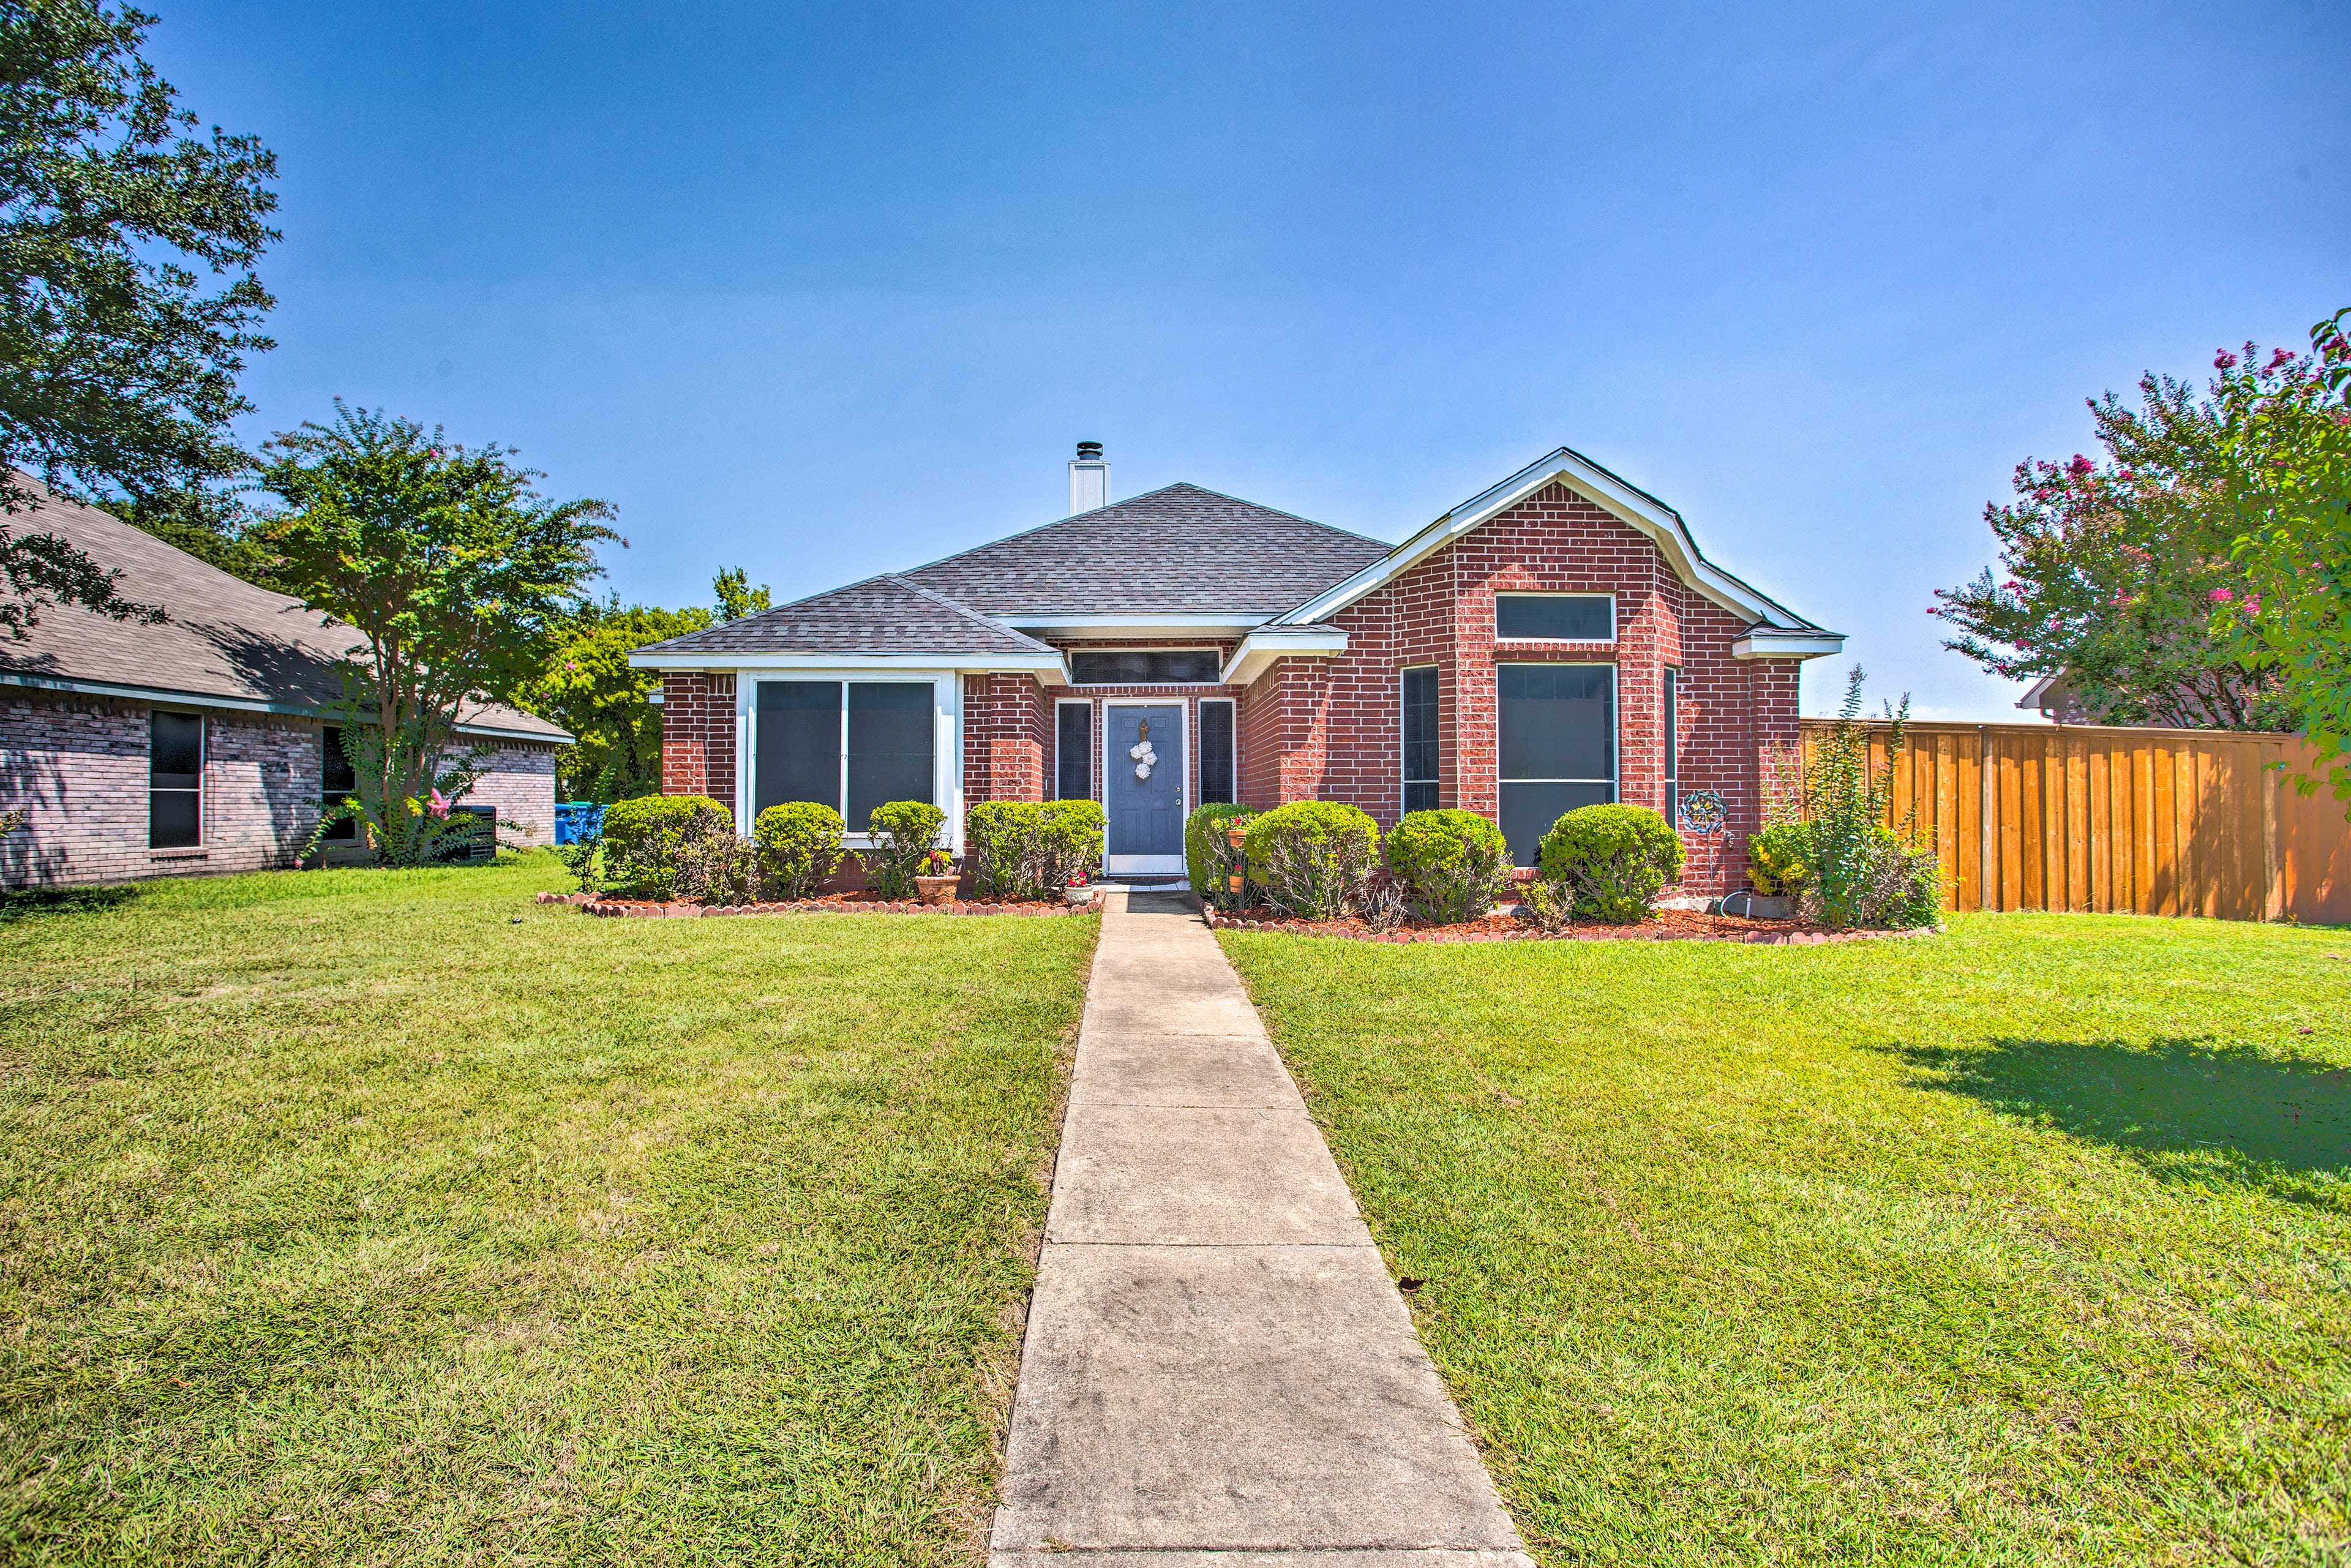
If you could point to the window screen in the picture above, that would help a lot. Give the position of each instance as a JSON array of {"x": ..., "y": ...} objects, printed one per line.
[
  {"x": 1672, "y": 748},
  {"x": 337, "y": 782},
  {"x": 890, "y": 734},
  {"x": 1558, "y": 725},
  {"x": 1216, "y": 779},
  {"x": 1073, "y": 741},
  {"x": 175, "y": 776},
  {"x": 1145, "y": 667},
  {"x": 1420, "y": 748},
  {"x": 1574, "y": 617},
  {"x": 799, "y": 742}
]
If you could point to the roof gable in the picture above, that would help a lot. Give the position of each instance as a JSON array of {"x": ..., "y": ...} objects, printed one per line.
[{"x": 1772, "y": 621}]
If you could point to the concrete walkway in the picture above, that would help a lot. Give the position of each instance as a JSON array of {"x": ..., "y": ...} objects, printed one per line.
[{"x": 1218, "y": 1370}]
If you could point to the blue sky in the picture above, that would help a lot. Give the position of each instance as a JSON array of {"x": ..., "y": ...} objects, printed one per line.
[{"x": 823, "y": 291}]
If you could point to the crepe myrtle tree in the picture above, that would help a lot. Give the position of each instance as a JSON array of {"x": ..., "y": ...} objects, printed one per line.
[
  {"x": 128, "y": 299},
  {"x": 2289, "y": 429},
  {"x": 2109, "y": 567},
  {"x": 457, "y": 575}
]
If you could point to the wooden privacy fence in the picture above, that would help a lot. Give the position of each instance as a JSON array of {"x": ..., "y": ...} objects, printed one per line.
[{"x": 2097, "y": 818}]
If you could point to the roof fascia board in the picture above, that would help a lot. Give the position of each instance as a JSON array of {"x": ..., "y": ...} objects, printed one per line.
[
  {"x": 1260, "y": 649},
  {"x": 1235, "y": 620},
  {"x": 719, "y": 659},
  {"x": 551, "y": 737},
  {"x": 1763, "y": 643},
  {"x": 1635, "y": 507}
]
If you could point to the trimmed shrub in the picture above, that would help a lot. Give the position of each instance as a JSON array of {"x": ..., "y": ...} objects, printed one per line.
[
  {"x": 717, "y": 868},
  {"x": 1208, "y": 855},
  {"x": 904, "y": 832},
  {"x": 1069, "y": 844},
  {"x": 1451, "y": 866},
  {"x": 1000, "y": 838},
  {"x": 1611, "y": 862},
  {"x": 799, "y": 846},
  {"x": 1779, "y": 859},
  {"x": 1313, "y": 858},
  {"x": 645, "y": 837}
]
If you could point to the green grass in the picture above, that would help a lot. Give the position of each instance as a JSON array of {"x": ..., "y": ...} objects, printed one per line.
[
  {"x": 366, "y": 1217},
  {"x": 2028, "y": 1243}
]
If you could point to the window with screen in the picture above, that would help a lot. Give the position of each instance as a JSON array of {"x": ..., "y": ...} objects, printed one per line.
[
  {"x": 850, "y": 745},
  {"x": 1672, "y": 748},
  {"x": 1420, "y": 748},
  {"x": 1557, "y": 726},
  {"x": 176, "y": 780},
  {"x": 336, "y": 783},
  {"x": 1073, "y": 751},
  {"x": 1555, "y": 617},
  {"x": 1145, "y": 667},
  {"x": 1217, "y": 768}
]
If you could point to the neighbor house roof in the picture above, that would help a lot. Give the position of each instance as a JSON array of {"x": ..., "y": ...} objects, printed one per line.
[
  {"x": 881, "y": 614},
  {"x": 228, "y": 643},
  {"x": 1180, "y": 550}
]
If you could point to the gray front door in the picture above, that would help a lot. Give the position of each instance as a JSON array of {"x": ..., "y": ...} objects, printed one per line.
[{"x": 1142, "y": 793}]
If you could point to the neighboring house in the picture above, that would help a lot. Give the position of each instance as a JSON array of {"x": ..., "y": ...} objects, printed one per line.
[
  {"x": 197, "y": 744},
  {"x": 1555, "y": 641}
]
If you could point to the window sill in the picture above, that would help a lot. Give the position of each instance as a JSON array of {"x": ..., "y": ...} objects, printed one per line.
[
  {"x": 191, "y": 855},
  {"x": 1557, "y": 644}
]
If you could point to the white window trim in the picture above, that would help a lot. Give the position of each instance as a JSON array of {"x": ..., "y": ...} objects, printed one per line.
[
  {"x": 1232, "y": 743},
  {"x": 204, "y": 766},
  {"x": 1059, "y": 704},
  {"x": 1146, "y": 865},
  {"x": 1616, "y": 781},
  {"x": 1671, "y": 728},
  {"x": 1609, "y": 641},
  {"x": 1216, "y": 659},
  {"x": 946, "y": 741},
  {"x": 1404, "y": 785}
]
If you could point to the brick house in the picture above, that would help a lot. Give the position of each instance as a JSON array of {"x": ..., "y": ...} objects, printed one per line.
[
  {"x": 1555, "y": 641},
  {"x": 201, "y": 744}
]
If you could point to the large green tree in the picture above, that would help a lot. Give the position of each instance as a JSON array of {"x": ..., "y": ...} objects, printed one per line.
[
  {"x": 456, "y": 572},
  {"x": 128, "y": 299},
  {"x": 2289, "y": 427}
]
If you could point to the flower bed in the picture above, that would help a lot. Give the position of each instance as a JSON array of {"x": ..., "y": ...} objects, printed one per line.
[
  {"x": 1665, "y": 926},
  {"x": 832, "y": 903}
]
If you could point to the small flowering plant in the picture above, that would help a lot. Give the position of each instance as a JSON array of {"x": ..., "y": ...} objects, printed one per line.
[{"x": 938, "y": 862}]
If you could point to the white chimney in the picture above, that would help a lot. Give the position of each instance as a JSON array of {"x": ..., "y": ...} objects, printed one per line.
[{"x": 1088, "y": 478}]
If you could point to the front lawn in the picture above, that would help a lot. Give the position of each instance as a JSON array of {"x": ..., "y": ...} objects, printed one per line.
[
  {"x": 2029, "y": 1243},
  {"x": 366, "y": 1217}
]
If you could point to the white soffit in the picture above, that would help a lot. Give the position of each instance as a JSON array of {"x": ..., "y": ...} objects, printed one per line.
[{"x": 1260, "y": 649}]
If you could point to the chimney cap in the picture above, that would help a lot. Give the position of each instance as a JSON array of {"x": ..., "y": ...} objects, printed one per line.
[{"x": 1089, "y": 450}]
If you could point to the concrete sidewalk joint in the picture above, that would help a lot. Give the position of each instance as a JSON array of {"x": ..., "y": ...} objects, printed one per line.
[{"x": 1219, "y": 1372}]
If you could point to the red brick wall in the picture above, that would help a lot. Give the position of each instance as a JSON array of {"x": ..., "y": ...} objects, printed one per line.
[
  {"x": 1330, "y": 728},
  {"x": 699, "y": 734},
  {"x": 1007, "y": 742}
]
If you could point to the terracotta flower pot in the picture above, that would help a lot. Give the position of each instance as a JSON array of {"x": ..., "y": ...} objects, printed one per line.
[{"x": 937, "y": 892}]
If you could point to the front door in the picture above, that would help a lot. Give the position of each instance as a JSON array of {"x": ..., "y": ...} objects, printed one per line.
[{"x": 1143, "y": 791}]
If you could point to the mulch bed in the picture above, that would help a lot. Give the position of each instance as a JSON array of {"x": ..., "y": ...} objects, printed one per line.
[
  {"x": 1665, "y": 926},
  {"x": 831, "y": 904}
]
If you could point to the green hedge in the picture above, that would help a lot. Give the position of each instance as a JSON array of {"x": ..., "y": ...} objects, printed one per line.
[
  {"x": 1313, "y": 858},
  {"x": 645, "y": 837},
  {"x": 1206, "y": 853},
  {"x": 1069, "y": 844},
  {"x": 1452, "y": 865},
  {"x": 1031, "y": 849},
  {"x": 799, "y": 846},
  {"x": 1611, "y": 862}
]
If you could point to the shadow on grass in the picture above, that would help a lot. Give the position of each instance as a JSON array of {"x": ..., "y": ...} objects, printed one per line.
[
  {"x": 32, "y": 903},
  {"x": 2184, "y": 1108}
]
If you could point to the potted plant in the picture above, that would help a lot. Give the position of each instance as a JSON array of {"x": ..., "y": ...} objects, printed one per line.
[{"x": 935, "y": 883}]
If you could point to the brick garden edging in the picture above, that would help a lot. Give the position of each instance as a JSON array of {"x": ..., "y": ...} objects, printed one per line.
[
  {"x": 624, "y": 909},
  {"x": 1573, "y": 933}
]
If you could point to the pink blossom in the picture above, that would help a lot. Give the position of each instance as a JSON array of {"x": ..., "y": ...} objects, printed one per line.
[
  {"x": 2224, "y": 360},
  {"x": 2282, "y": 356},
  {"x": 2080, "y": 467},
  {"x": 439, "y": 804},
  {"x": 2129, "y": 473},
  {"x": 2252, "y": 604},
  {"x": 2220, "y": 596}
]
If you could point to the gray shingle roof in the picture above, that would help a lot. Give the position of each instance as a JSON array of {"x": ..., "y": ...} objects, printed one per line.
[
  {"x": 226, "y": 638},
  {"x": 1178, "y": 551},
  {"x": 884, "y": 614}
]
